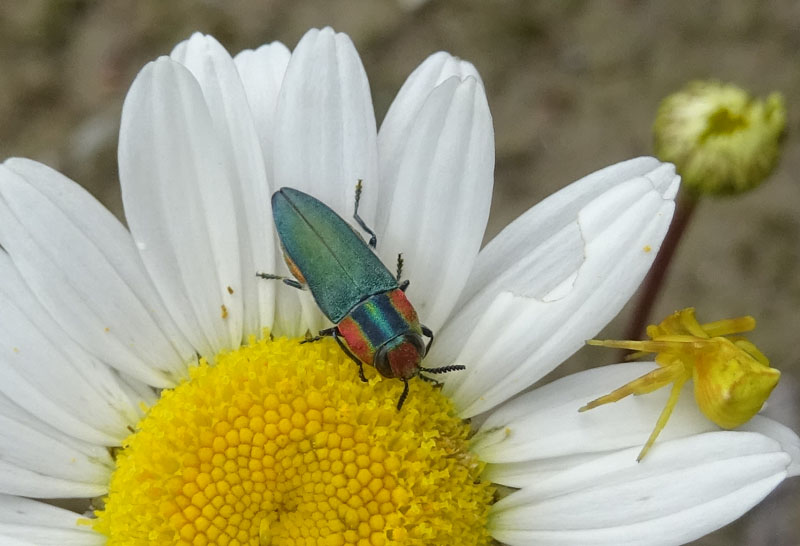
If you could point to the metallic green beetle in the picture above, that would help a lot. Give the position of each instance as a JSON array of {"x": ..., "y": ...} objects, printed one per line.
[{"x": 374, "y": 321}]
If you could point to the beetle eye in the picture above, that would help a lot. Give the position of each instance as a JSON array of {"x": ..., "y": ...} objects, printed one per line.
[
  {"x": 418, "y": 342},
  {"x": 381, "y": 362}
]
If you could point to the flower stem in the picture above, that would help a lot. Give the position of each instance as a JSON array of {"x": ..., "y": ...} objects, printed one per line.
[{"x": 655, "y": 278}]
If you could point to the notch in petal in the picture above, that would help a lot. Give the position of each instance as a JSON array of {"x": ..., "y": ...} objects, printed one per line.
[{"x": 554, "y": 278}]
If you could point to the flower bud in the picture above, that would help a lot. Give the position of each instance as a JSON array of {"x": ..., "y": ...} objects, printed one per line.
[{"x": 721, "y": 140}]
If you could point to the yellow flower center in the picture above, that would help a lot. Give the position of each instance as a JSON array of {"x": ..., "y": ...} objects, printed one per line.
[{"x": 280, "y": 443}]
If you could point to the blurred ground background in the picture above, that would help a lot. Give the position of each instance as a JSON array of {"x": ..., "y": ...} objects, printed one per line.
[{"x": 573, "y": 86}]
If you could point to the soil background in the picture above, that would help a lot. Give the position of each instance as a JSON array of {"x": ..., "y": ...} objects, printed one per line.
[{"x": 573, "y": 86}]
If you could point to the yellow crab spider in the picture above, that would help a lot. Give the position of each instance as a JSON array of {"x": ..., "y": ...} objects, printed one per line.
[{"x": 732, "y": 378}]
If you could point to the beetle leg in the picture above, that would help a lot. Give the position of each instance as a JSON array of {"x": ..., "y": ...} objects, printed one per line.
[
  {"x": 428, "y": 333},
  {"x": 288, "y": 281},
  {"x": 373, "y": 239},
  {"x": 403, "y": 396},
  {"x": 322, "y": 333},
  {"x": 429, "y": 379},
  {"x": 335, "y": 333}
]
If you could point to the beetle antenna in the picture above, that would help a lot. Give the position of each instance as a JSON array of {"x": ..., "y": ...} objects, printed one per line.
[
  {"x": 444, "y": 369},
  {"x": 403, "y": 396},
  {"x": 373, "y": 240}
]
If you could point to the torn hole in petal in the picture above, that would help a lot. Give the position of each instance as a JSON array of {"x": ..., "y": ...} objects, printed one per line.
[{"x": 562, "y": 290}]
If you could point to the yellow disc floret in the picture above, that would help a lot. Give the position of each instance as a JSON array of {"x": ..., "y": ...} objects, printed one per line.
[
  {"x": 732, "y": 378},
  {"x": 280, "y": 444}
]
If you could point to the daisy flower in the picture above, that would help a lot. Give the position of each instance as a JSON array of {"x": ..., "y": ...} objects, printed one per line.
[{"x": 152, "y": 374}]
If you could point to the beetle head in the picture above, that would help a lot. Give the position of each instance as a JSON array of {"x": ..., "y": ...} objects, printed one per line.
[{"x": 401, "y": 356}]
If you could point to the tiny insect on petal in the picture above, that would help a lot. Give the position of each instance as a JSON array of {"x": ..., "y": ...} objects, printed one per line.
[{"x": 732, "y": 378}]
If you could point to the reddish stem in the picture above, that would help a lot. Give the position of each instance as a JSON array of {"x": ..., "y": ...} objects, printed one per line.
[{"x": 655, "y": 278}]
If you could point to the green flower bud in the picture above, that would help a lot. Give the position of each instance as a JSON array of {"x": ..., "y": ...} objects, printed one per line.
[{"x": 721, "y": 140}]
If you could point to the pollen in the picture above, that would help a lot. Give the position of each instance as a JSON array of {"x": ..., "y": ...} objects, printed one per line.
[
  {"x": 280, "y": 443},
  {"x": 732, "y": 378}
]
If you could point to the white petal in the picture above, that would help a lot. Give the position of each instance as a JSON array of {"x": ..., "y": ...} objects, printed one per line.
[
  {"x": 236, "y": 137},
  {"x": 541, "y": 434},
  {"x": 536, "y": 226},
  {"x": 325, "y": 138},
  {"x": 780, "y": 433},
  {"x": 262, "y": 72},
  {"x": 544, "y": 423},
  {"x": 12, "y": 541},
  {"x": 25, "y": 521},
  {"x": 139, "y": 392},
  {"x": 179, "y": 204},
  {"x": 553, "y": 279},
  {"x": 442, "y": 189},
  {"x": 682, "y": 491},
  {"x": 82, "y": 265},
  {"x": 37, "y": 460},
  {"x": 45, "y": 372},
  {"x": 404, "y": 109}
]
